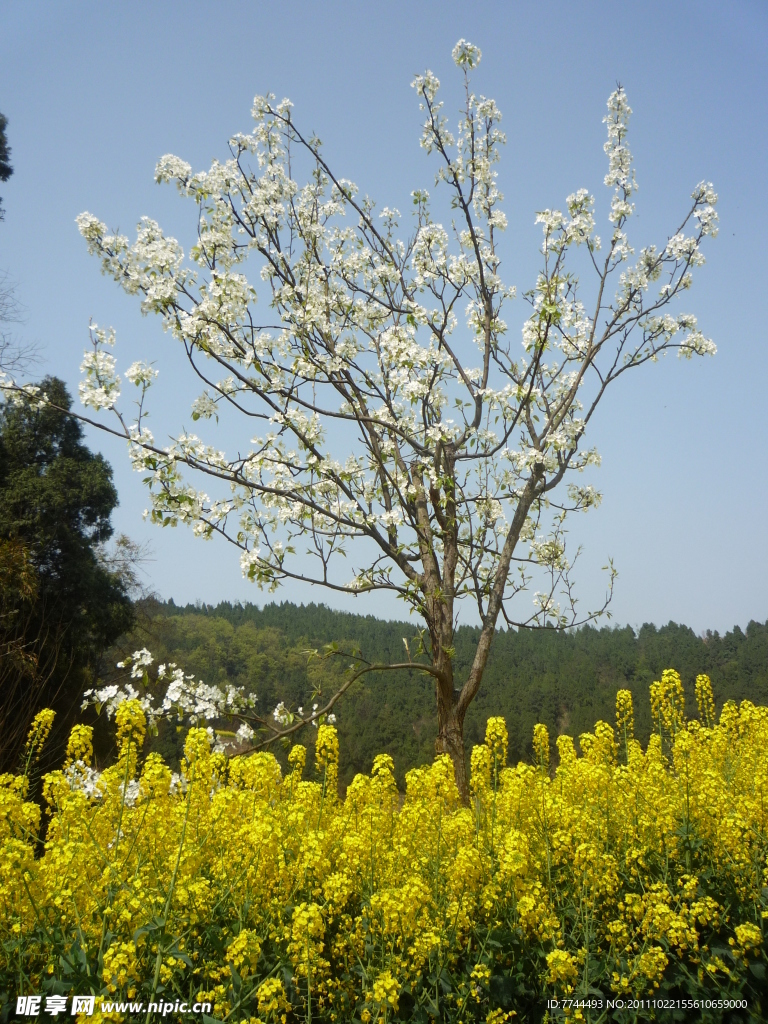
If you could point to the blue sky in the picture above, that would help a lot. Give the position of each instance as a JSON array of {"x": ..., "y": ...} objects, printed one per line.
[{"x": 95, "y": 93}]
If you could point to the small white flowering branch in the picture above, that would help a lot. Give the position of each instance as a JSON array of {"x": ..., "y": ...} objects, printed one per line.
[{"x": 193, "y": 702}]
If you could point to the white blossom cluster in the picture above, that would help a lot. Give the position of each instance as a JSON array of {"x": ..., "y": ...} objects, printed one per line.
[
  {"x": 192, "y": 702},
  {"x": 458, "y": 439},
  {"x": 84, "y": 779},
  {"x": 21, "y": 394},
  {"x": 81, "y": 778}
]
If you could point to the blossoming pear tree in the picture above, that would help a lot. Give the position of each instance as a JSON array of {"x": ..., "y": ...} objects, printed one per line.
[{"x": 392, "y": 418}]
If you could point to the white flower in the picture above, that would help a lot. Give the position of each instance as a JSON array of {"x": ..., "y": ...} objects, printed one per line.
[
  {"x": 141, "y": 660},
  {"x": 203, "y": 407},
  {"x": 84, "y": 779},
  {"x": 130, "y": 792},
  {"x": 139, "y": 373},
  {"x": 282, "y": 715},
  {"x": 465, "y": 55},
  {"x": 245, "y": 732},
  {"x": 169, "y": 167},
  {"x": 101, "y": 388},
  {"x": 178, "y": 784},
  {"x": 249, "y": 560}
]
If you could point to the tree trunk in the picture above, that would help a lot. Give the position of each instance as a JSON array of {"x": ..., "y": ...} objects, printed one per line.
[
  {"x": 452, "y": 706},
  {"x": 450, "y": 724},
  {"x": 450, "y": 740}
]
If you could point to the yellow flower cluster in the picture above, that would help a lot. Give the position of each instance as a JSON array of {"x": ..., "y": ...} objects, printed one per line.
[
  {"x": 243, "y": 952},
  {"x": 621, "y": 870},
  {"x": 327, "y": 758},
  {"x": 668, "y": 701},
  {"x": 541, "y": 746},
  {"x": 497, "y": 742},
  {"x": 272, "y": 1002},
  {"x": 625, "y": 720},
  {"x": 38, "y": 734},
  {"x": 80, "y": 746},
  {"x": 705, "y": 700},
  {"x": 563, "y": 970}
]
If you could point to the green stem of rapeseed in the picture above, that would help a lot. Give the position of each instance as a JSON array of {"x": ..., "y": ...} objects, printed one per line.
[{"x": 159, "y": 958}]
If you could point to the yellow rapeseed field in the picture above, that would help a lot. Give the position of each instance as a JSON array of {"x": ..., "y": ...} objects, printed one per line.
[{"x": 621, "y": 875}]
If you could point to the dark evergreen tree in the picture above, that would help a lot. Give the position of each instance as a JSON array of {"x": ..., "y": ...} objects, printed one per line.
[
  {"x": 5, "y": 158},
  {"x": 60, "y": 602}
]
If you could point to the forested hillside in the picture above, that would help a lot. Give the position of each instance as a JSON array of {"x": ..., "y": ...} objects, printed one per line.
[{"x": 566, "y": 680}]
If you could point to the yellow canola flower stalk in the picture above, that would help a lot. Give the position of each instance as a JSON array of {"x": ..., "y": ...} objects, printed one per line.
[
  {"x": 272, "y": 999},
  {"x": 298, "y": 759},
  {"x": 38, "y": 733},
  {"x": 80, "y": 746},
  {"x": 480, "y": 769},
  {"x": 197, "y": 756},
  {"x": 562, "y": 971},
  {"x": 327, "y": 758},
  {"x": 386, "y": 990},
  {"x": 625, "y": 716},
  {"x": 705, "y": 700},
  {"x": 131, "y": 724},
  {"x": 277, "y": 900},
  {"x": 541, "y": 746},
  {"x": 243, "y": 952},
  {"x": 497, "y": 741},
  {"x": 668, "y": 702}
]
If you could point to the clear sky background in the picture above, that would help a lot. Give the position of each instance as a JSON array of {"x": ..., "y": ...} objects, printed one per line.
[{"x": 95, "y": 93}]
